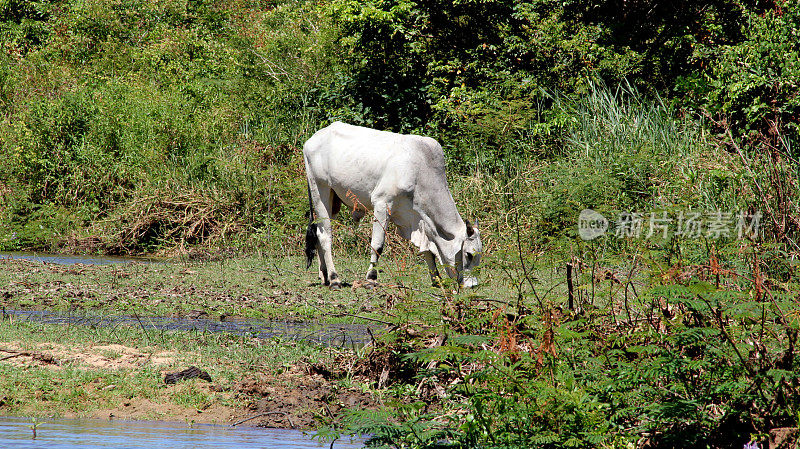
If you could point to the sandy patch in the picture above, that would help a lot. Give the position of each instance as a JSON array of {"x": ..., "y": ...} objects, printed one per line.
[
  {"x": 145, "y": 409},
  {"x": 54, "y": 355},
  {"x": 298, "y": 398}
]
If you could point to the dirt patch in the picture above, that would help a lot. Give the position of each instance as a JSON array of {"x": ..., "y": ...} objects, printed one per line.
[
  {"x": 297, "y": 399},
  {"x": 146, "y": 409},
  {"x": 288, "y": 401},
  {"x": 54, "y": 355}
]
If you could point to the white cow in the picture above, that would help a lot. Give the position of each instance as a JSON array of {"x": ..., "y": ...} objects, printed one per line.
[{"x": 400, "y": 178}]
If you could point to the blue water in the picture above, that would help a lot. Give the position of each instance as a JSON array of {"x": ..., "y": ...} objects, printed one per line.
[{"x": 90, "y": 434}]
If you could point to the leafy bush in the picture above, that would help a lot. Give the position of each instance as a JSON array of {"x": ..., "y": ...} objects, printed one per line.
[
  {"x": 751, "y": 85},
  {"x": 118, "y": 101}
]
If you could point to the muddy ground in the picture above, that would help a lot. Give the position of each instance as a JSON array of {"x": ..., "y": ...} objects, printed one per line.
[
  {"x": 303, "y": 395},
  {"x": 266, "y": 287}
]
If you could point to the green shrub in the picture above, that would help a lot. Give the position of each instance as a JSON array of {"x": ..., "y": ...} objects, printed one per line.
[{"x": 751, "y": 85}]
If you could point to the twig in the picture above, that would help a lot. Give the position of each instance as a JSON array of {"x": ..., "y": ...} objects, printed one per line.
[
  {"x": 288, "y": 418},
  {"x": 44, "y": 358},
  {"x": 526, "y": 276},
  {"x": 630, "y": 274},
  {"x": 136, "y": 315},
  {"x": 19, "y": 354}
]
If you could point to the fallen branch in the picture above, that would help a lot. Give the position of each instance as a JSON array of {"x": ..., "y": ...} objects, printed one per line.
[
  {"x": 288, "y": 418},
  {"x": 44, "y": 358},
  {"x": 14, "y": 355}
]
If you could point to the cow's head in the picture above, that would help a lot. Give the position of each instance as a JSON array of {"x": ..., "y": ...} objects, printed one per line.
[
  {"x": 471, "y": 251},
  {"x": 467, "y": 257}
]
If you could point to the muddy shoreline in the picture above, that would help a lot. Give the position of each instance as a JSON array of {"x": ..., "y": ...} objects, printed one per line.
[
  {"x": 116, "y": 376},
  {"x": 297, "y": 398}
]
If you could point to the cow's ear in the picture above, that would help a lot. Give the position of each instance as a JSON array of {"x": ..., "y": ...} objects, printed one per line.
[{"x": 470, "y": 229}]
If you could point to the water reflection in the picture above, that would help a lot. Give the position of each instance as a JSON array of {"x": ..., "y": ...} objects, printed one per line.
[
  {"x": 340, "y": 335},
  {"x": 68, "y": 259},
  {"x": 89, "y": 434}
]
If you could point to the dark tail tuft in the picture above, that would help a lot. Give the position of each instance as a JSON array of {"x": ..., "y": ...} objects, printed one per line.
[
  {"x": 311, "y": 233},
  {"x": 311, "y": 243}
]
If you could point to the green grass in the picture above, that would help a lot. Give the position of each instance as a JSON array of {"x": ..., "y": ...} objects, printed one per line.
[{"x": 266, "y": 286}]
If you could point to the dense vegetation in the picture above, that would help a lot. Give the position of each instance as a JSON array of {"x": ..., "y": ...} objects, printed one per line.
[{"x": 134, "y": 127}]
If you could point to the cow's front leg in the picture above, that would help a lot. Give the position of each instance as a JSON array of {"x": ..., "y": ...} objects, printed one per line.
[
  {"x": 378, "y": 239},
  {"x": 430, "y": 259}
]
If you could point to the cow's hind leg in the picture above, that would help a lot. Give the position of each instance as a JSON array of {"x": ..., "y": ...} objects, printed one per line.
[
  {"x": 313, "y": 248},
  {"x": 323, "y": 205},
  {"x": 381, "y": 218}
]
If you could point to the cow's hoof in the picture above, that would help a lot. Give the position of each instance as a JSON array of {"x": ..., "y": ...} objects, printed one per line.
[
  {"x": 470, "y": 282},
  {"x": 369, "y": 284},
  {"x": 336, "y": 283}
]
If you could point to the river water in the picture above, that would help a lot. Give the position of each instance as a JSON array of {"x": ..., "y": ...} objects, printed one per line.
[
  {"x": 342, "y": 335},
  {"x": 68, "y": 259},
  {"x": 91, "y": 434}
]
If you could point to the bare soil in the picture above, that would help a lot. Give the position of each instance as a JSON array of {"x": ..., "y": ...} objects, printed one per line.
[{"x": 299, "y": 400}]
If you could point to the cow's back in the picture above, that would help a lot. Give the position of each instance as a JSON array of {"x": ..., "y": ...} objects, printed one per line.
[{"x": 358, "y": 159}]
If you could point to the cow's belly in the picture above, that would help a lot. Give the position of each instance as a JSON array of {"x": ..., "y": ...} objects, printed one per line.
[
  {"x": 354, "y": 197},
  {"x": 360, "y": 183}
]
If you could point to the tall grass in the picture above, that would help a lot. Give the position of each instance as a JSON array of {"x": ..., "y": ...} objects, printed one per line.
[{"x": 621, "y": 151}]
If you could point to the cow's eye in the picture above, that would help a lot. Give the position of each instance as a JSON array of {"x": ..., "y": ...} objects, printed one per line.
[{"x": 469, "y": 258}]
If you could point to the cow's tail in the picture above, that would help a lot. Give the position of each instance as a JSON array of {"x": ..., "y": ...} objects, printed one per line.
[{"x": 312, "y": 240}]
